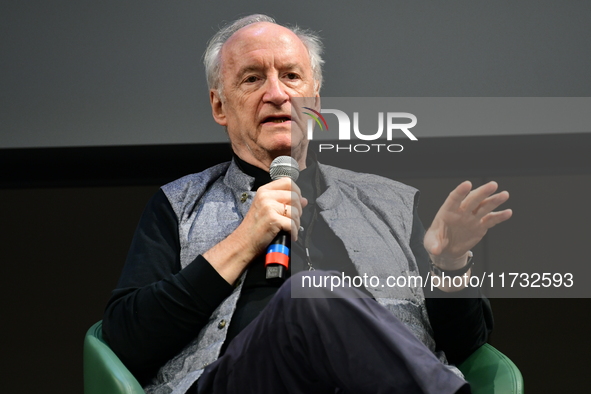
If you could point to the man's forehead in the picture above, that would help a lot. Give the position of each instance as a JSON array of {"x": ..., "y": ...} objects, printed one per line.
[{"x": 260, "y": 35}]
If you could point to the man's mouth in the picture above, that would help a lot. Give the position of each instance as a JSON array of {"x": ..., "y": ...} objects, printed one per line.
[{"x": 276, "y": 119}]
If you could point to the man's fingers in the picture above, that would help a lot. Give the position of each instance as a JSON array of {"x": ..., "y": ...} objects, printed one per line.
[
  {"x": 285, "y": 210},
  {"x": 477, "y": 196},
  {"x": 489, "y": 204},
  {"x": 289, "y": 211},
  {"x": 279, "y": 197},
  {"x": 293, "y": 216},
  {"x": 294, "y": 231},
  {"x": 464, "y": 218},
  {"x": 304, "y": 201},
  {"x": 284, "y": 183},
  {"x": 494, "y": 218},
  {"x": 278, "y": 188},
  {"x": 455, "y": 198},
  {"x": 296, "y": 201}
]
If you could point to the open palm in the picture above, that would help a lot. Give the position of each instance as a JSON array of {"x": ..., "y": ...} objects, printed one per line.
[{"x": 462, "y": 221}]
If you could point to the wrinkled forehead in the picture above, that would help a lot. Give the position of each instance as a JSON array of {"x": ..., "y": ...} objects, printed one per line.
[{"x": 263, "y": 36}]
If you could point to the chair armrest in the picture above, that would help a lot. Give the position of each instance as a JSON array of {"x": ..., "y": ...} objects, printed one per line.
[
  {"x": 490, "y": 371},
  {"x": 104, "y": 373}
]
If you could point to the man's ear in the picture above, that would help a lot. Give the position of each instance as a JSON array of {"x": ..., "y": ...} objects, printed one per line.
[
  {"x": 317, "y": 104},
  {"x": 217, "y": 107}
]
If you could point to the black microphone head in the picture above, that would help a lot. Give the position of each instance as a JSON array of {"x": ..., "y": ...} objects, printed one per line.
[{"x": 284, "y": 166}]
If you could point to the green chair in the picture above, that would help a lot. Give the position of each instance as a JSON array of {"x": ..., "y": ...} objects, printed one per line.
[
  {"x": 488, "y": 370},
  {"x": 104, "y": 373}
]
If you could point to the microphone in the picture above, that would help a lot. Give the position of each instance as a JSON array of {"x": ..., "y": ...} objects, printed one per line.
[{"x": 277, "y": 258}]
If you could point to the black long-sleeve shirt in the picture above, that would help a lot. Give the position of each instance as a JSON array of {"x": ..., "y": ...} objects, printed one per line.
[{"x": 157, "y": 307}]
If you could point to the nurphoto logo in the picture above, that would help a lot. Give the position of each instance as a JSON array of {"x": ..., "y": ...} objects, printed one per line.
[{"x": 391, "y": 119}]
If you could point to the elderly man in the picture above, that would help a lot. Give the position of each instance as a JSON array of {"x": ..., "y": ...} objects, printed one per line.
[{"x": 193, "y": 312}]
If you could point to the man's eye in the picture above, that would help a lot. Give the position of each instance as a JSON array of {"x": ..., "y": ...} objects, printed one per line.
[
  {"x": 292, "y": 76},
  {"x": 251, "y": 79}
]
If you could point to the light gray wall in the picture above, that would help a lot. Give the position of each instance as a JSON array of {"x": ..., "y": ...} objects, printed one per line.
[{"x": 129, "y": 72}]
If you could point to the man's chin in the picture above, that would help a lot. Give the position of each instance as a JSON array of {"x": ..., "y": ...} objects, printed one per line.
[
  {"x": 284, "y": 145},
  {"x": 279, "y": 151}
]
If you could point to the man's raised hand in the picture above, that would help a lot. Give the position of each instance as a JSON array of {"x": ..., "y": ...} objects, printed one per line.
[{"x": 462, "y": 221}]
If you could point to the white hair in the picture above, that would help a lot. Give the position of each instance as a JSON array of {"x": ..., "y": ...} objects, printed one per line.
[{"x": 211, "y": 58}]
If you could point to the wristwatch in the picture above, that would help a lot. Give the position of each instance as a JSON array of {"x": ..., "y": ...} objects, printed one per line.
[{"x": 441, "y": 272}]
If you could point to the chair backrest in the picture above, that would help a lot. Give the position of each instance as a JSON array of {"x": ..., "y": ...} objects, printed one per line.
[{"x": 103, "y": 371}]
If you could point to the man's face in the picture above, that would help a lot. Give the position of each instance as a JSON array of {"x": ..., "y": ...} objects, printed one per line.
[{"x": 263, "y": 66}]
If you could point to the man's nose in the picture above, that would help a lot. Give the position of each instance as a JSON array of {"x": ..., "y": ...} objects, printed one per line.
[{"x": 275, "y": 92}]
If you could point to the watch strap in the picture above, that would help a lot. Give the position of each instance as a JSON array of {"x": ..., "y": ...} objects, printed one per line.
[{"x": 459, "y": 272}]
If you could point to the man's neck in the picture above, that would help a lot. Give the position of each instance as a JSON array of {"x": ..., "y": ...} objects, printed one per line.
[
  {"x": 266, "y": 164},
  {"x": 262, "y": 177}
]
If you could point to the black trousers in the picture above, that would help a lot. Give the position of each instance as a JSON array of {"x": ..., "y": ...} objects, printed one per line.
[{"x": 348, "y": 344}]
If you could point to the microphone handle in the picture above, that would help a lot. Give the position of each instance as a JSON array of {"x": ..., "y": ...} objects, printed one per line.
[
  {"x": 278, "y": 252},
  {"x": 277, "y": 258}
]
